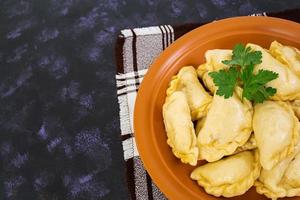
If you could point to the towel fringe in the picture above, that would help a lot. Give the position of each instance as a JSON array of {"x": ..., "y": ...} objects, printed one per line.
[{"x": 124, "y": 115}]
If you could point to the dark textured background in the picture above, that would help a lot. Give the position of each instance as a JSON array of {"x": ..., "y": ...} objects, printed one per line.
[{"x": 59, "y": 123}]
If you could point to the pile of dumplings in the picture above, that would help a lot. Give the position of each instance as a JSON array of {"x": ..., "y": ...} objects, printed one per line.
[{"x": 244, "y": 144}]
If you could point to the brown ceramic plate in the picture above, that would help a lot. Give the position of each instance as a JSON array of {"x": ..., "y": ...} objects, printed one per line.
[{"x": 170, "y": 175}]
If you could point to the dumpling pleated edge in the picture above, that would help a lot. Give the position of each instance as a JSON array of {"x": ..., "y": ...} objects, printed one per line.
[
  {"x": 190, "y": 156},
  {"x": 235, "y": 189},
  {"x": 176, "y": 85}
]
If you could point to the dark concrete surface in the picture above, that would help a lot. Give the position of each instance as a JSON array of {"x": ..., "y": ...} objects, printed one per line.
[{"x": 59, "y": 128}]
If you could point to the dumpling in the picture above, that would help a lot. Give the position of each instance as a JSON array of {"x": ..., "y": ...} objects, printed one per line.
[
  {"x": 276, "y": 131},
  {"x": 229, "y": 177},
  {"x": 227, "y": 126},
  {"x": 287, "y": 84},
  {"x": 214, "y": 60},
  {"x": 287, "y": 55},
  {"x": 249, "y": 145},
  {"x": 296, "y": 107},
  {"x": 291, "y": 178},
  {"x": 187, "y": 82},
  {"x": 269, "y": 180},
  {"x": 283, "y": 180},
  {"x": 180, "y": 128}
]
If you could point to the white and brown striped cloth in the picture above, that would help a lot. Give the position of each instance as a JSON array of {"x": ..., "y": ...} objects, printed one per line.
[{"x": 135, "y": 51}]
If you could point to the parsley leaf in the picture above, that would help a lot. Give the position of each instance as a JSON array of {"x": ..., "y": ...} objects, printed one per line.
[
  {"x": 254, "y": 88},
  {"x": 259, "y": 93},
  {"x": 247, "y": 73},
  {"x": 241, "y": 68},
  {"x": 243, "y": 57},
  {"x": 226, "y": 81},
  {"x": 263, "y": 77}
]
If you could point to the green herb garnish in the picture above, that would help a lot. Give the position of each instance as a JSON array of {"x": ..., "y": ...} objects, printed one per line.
[
  {"x": 226, "y": 81},
  {"x": 241, "y": 68}
]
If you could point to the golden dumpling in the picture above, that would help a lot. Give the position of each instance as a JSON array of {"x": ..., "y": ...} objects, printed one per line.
[
  {"x": 214, "y": 60},
  {"x": 230, "y": 176},
  {"x": 286, "y": 55},
  {"x": 283, "y": 180},
  {"x": 291, "y": 178},
  {"x": 227, "y": 126},
  {"x": 296, "y": 107},
  {"x": 249, "y": 145},
  {"x": 276, "y": 131},
  {"x": 215, "y": 57},
  {"x": 180, "y": 128},
  {"x": 269, "y": 180},
  {"x": 187, "y": 82},
  {"x": 287, "y": 84}
]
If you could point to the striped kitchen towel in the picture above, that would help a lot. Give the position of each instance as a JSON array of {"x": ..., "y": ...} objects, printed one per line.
[{"x": 135, "y": 51}]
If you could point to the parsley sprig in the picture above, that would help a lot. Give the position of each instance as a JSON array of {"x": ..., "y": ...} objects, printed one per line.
[{"x": 241, "y": 68}]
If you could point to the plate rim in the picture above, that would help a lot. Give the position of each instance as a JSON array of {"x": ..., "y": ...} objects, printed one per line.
[{"x": 160, "y": 177}]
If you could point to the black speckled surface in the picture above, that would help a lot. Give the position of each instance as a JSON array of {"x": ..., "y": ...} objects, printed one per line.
[{"x": 59, "y": 128}]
